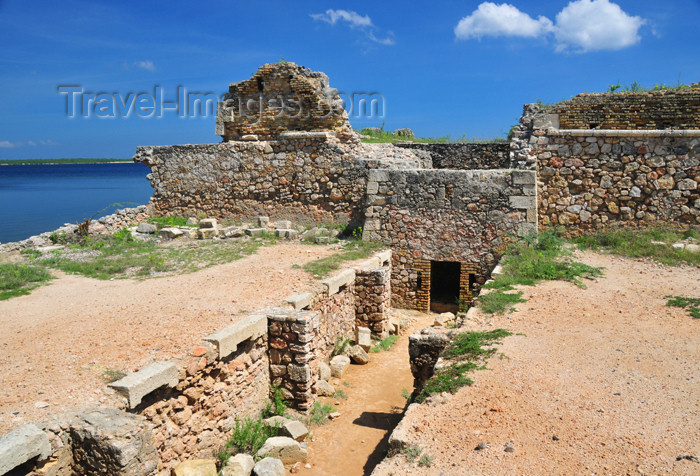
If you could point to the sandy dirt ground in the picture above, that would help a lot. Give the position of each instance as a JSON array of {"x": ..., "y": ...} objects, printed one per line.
[
  {"x": 605, "y": 380},
  {"x": 56, "y": 343},
  {"x": 358, "y": 440}
]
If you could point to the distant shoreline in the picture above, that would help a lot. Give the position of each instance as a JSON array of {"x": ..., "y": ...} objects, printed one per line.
[{"x": 63, "y": 161}]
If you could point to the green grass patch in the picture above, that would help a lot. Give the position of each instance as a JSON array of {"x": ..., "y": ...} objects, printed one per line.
[
  {"x": 276, "y": 405},
  {"x": 692, "y": 305},
  {"x": 112, "y": 375},
  {"x": 166, "y": 221},
  {"x": 319, "y": 414},
  {"x": 466, "y": 351},
  {"x": 425, "y": 460},
  {"x": 341, "y": 343},
  {"x": 120, "y": 256},
  {"x": 352, "y": 250},
  {"x": 382, "y": 136},
  {"x": 384, "y": 344},
  {"x": 412, "y": 452},
  {"x": 248, "y": 437},
  {"x": 638, "y": 244},
  {"x": 536, "y": 258},
  {"x": 340, "y": 395},
  {"x": 18, "y": 279}
]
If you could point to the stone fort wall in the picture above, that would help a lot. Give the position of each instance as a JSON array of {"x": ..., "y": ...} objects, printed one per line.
[
  {"x": 664, "y": 109},
  {"x": 486, "y": 156}
]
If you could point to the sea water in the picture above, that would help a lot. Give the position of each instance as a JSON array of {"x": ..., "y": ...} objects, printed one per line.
[{"x": 39, "y": 198}]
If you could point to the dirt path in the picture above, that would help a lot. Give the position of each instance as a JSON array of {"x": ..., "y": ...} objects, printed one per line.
[
  {"x": 56, "y": 342},
  {"x": 610, "y": 371},
  {"x": 354, "y": 443}
]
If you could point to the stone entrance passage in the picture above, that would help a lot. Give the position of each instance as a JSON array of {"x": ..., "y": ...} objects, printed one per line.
[{"x": 443, "y": 285}]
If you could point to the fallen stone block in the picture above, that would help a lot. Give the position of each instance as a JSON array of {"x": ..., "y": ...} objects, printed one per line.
[
  {"x": 294, "y": 429},
  {"x": 262, "y": 221},
  {"x": 21, "y": 445},
  {"x": 195, "y": 467},
  {"x": 170, "y": 233},
  {"x": 446, "y": 319},
  {"x": 339, "y": 365},
  {"x": 137, "y": 385},
  {"x": 324, "y": 389},
  {"x": 358, "y": 355},
  {"x": 324, "y": 371},
  {"x": 269, "y": 467},
  {"x": 283, "y": 448},
  {"x": 334, "y": 283},
  {"x": 190, "y": 233},
  {"x": 283, "y": 224},
  {"x": 207, "y": 233},
  {"x": 208, "y": 223},
  {"x": 322, "y": 240},
  {"x": 300, "y": 300},
  {"x": 146, "y": 228},
  {"x": 231, "y": 232},
  {"x": 363, "y": 337},
  {"x": 110, "y": 441},
  {"x": 286, "y": 233},
  {"x": 227, "y": 339},
  {"x": 254, "y": 232},
  {"x": 239, "y": 465}
]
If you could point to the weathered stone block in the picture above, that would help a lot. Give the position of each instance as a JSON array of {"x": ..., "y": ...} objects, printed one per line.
[
  {"x": 299, "y": 373},
  {"x": 363, "y": 338},
  {"x": 269, "y": 467},
  {"x": 195, "y": 467},
  {"x": 334, "y": 283},
  {"x": 300, "y": 300},
  {"x": 339, "y": 365},
  {"x": 22, "y": 445},
  {"x": 170, "y": 233},
  {"x": 358, "y": 355},
  {"x": 240, "y": 465},
  {"x": 283, "y": 448},
  {"x": 208, "y": 223},
  {"x": 137, "y": 385},
  {"x": 227, "y": 339},
  {"x": 287, "y": 234},
  {"x": 522, "y": 202}
]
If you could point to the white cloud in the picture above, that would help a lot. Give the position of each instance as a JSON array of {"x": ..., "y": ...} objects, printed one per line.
[
  {"x": 355, "y": 21},
  {"x": 6, "y": 144},
  {"x": 353, "y": 18},
  {"x": 145, "y": 64},
  {"x": 591, "y": 25},
  {"x": 501, "y": 20},
  {"x": 581, "y": 26}
]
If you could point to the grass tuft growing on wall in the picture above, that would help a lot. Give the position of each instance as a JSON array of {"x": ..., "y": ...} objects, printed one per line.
[{"x": 352, "y": 250}]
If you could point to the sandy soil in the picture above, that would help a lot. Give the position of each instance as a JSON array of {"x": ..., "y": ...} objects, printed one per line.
[
  {"x": 56, "y": 342},
  {"x": 610, "y": 371}
]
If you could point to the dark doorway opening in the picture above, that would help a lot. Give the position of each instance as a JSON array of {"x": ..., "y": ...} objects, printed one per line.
[{"x": 444, "y": 286}]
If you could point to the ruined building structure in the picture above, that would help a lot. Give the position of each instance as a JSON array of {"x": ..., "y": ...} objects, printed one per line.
[{"x": 446, "y": 210}]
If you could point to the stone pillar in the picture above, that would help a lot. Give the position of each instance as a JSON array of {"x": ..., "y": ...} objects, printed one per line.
[
  {"x": 372, "y": 299},
  {"x": 423, "y": 292},
  {"x": 424, "y": 350},
  {"x": 292, "y": 347}
]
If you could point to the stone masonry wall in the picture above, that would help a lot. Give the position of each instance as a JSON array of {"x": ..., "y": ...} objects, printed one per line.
[
  {"x": 307, "y": 179},
  {"x": 447, "y": 215},
  {"x": 465, "y": 156},
  {"x": 665, "y": 109},
  {"x": 589, "y": 181},
  {"x": 293, "y": 341},
  {"x": 193, "y": 419},
  {"x": 373, "y": 299},
  {"x": 336, "y": 319}
]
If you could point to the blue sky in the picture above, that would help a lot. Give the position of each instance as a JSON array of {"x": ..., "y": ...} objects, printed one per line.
[{"x": 443, "y": 67}]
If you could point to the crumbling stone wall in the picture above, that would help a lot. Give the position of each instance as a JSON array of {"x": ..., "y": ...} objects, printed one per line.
[
  {"x": 193, "y": 419},
  {"x": 306, "y": 179},
  {"x": 465, "y": 156},
  {"x": 447, "y": 215},
  {"x": 373, "y": 299},
  {"x": 282, "y": 97},
  {"x": 665, "y": 109},
  {"x": 336, "y": 319}
]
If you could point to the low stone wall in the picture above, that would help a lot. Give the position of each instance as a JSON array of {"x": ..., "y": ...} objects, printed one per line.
[
  {"x": 466, "y": 156},
  {"x": 447, "y": 215},
  {"x": 306, "y": 178}
]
